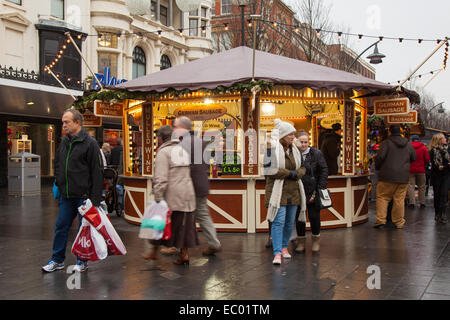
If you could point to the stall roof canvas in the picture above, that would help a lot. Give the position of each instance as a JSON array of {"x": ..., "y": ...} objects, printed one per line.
[{"x": 235, "y": 65}]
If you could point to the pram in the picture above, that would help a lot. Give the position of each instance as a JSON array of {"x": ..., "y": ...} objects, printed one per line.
[{"x": 111, "y": 194}]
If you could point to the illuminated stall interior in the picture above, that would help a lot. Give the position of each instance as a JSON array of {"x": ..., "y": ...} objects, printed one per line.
[{"x": 313, "y": 111}]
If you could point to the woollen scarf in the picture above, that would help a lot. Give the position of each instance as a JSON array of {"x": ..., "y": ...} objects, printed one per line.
[{"x": 277, "y": 190}]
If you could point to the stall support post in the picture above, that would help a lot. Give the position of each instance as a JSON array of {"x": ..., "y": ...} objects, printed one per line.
[
  {"x": 348, "y": 152},
  {"x": 250, "y": 143},
  {"x": 251, "y": 206},
  {"x": 147, "y": 139},
  {"x": 125, "y": 140}
]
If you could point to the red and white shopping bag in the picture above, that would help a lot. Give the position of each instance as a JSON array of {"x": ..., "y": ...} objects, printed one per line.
[
  {"x": 98, "y": 218},
  {"x": 89, "y": 243}
]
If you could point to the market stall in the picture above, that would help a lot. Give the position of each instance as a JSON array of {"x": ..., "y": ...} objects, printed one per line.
[{"x": 235, "y": 114}]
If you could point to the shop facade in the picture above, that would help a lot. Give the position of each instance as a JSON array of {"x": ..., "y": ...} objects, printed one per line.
[{"x": 237, "y": 120}]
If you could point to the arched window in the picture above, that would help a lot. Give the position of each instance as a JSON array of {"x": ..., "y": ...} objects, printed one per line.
[
  {"x": 139, "y": 62},
  {"x": 165, "y": 62}
]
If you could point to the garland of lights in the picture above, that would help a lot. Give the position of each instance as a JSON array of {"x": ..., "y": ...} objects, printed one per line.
[
  {"x": 417, "y": 76},
  {"x": 85, "y": 102}
]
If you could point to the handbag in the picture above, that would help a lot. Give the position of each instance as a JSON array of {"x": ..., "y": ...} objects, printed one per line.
[{"x": 324, "y": 199}]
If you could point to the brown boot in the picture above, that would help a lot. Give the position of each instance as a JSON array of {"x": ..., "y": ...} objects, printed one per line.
[
  {"x": 315, "y": 243},
  {"x": 183, "y": 258},
  {"x": 152, "y": 255},
  {"x": 301, "y": 241}
]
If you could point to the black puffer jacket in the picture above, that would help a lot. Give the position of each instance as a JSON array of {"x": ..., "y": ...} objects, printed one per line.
[
  {"x": 316, "y": 176},
  {"x": 79, "y": 168}
]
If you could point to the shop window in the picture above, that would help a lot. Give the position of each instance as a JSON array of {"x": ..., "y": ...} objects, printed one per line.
[
  {"x": 193, "y": 27},
  {"x": 165, "y": 62},
  {"x": 57, "y": 9},
  {"x": 226, "y": 7},
  {"x": 139, "y": 63},
  {"x": 107, "y": 60},
  {"x": 19, "y": 2},
  {"x": 107, "y": 40}
]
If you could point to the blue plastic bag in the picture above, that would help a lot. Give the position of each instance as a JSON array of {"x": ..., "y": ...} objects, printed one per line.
[{"x": 56, "y": 193}]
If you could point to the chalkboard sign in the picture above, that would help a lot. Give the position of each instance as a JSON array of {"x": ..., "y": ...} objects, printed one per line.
[{"x": 231, "y": 166}]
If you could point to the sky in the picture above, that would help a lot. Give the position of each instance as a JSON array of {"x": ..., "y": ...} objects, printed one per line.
[{"x": 417, "y": 19}]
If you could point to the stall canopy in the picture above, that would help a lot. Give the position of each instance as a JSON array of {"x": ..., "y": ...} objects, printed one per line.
[{"x": 235, "y": 65}]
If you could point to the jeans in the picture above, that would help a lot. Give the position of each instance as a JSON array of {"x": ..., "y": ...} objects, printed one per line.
[
  {"x": 68, "y": 210},
  {"x": 282, "y": 227}
]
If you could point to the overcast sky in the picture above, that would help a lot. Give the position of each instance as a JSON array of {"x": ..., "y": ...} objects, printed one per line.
[{"x": 417, "y": 19}]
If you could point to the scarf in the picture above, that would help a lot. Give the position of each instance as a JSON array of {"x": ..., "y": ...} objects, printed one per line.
[
  {"x": 279, "y": 163},
  {"x": 440, "y": 153}
]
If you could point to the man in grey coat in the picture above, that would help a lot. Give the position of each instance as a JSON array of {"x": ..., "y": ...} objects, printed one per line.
[
  {"x": 392, "y": 162},
  {"x": 199, "y": 176}
]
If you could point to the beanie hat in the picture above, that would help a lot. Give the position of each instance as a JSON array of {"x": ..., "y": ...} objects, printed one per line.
[
  {"x": 415, "y": 138},
  {"x": 284, "y": 128}
]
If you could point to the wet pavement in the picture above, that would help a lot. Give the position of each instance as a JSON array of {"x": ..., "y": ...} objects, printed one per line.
[{"x": 413, "y": 263}]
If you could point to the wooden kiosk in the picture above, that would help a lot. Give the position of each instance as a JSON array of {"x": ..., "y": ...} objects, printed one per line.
[{"x": 237, "y": 115}]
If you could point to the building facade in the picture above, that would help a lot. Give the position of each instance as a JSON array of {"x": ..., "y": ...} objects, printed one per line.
[{"x": 117, "y": 43}]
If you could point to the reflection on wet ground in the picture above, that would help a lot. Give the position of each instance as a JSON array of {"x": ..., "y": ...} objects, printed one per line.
[{"x": 414, "y": 263}]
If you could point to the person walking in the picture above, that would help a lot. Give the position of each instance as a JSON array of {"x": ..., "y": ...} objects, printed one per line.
[
  {"x": 172, "y": 183},
  {"x": 106, "y": 148},
  {"x": 199, "y": 175},
  {"x": 417, "y": 173},
  {"x": 284, "y": 188},
  {"x": 440, "y": 171},
  {"x": 331, "y": 148},
  {"x": 79, "y": 176},
  {"x": 315, "y": 179},
  {"x": 393, "y": 162}
]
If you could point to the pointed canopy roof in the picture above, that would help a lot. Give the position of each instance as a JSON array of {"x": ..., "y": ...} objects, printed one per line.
[{"x": 235, "y": 65}]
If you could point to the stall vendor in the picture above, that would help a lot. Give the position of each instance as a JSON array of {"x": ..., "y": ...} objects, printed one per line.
[{"x": 331, "y": 148}]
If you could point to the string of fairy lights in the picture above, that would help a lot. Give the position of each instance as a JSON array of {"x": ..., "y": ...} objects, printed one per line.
[{"x": 295, "y": 28}]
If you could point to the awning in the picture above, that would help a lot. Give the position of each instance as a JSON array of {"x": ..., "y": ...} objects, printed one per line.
[{"x": 235, "y": 65}]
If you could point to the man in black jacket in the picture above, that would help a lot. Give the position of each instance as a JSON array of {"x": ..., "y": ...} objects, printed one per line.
[
  {"x": 392, "y": 162},
  {"x": 79, "y": 176},
  {"x": 331, "y": 148},
  {"x": 199, "y": 175}
]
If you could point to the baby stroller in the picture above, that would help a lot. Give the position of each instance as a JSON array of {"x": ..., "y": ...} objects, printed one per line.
[{"x": 110, "y": 192}]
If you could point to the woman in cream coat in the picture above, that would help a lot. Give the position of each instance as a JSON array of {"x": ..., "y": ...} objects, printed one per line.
[{"x": 172, "y": 183}]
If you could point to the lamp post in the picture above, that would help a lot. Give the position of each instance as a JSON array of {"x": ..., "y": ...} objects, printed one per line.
[
  {"x": 375, "y": 57},
  {"x": 440, "y": 110},
  {"x": 242, "y": 4}
]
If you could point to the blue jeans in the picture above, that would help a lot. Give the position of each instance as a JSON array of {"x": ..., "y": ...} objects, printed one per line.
[
  {"x": 68, "y": 210},
  {"x": 282, "y": 227}
]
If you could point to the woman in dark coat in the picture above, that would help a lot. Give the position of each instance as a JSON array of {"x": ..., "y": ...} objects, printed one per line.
[
  {"x": 316, "y": 178},
  {"x": 440, "y": 172}
]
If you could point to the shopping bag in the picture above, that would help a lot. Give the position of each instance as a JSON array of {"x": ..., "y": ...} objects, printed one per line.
[
  {"x": 55, "y": 190},
  {"x": 89, "y": 243},
  {"x": 167, "y": 233},
  {"x": 154, "y": 220},
  {"x": 99, "y": 219}
]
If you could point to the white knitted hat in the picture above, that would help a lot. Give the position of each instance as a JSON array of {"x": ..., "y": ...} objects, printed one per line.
[{"x": 284, "y": 128}]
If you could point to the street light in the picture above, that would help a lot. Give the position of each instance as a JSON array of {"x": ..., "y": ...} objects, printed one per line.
[
  {"x": 242, "y": 4},
  {"x": 440, "y": 110},
  {"x": 375, "y": 57}
]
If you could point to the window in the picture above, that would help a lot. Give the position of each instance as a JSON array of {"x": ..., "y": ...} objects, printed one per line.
[
  {"x": 107, "y": 40},
  {"x": 57, "y": 9},
  {"x": 69, "y": 65},
  {"x": 107, "y": 60},
  {"x": 204, "y": 11},
  {"x": 226, "y": 6},
  {"x": 193, "y": 13},
  {"x": 203, "y": 28},
  {"x": 213, "y": 8},
  {"x": 153, "y": 10},
  {"x": 165, "y": 62},
  {"x": 19, "y": 2},
  {"x": 193, "y": 27},
  {"x": 139, "y": 63},
  {"x": 163, "y": 15}
]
